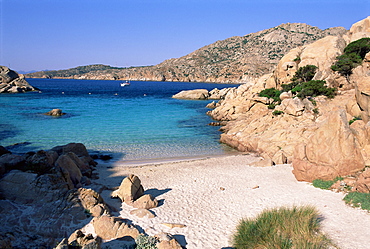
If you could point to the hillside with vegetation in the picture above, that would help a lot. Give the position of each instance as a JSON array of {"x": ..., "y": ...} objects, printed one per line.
[{"x": 238, "y": 59}]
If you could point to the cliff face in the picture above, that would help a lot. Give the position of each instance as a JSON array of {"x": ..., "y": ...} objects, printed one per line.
[
  {"x": 12, "y": 82},
  {"x": 315, "y": 136},
  {"x": 237, "y": 59}
]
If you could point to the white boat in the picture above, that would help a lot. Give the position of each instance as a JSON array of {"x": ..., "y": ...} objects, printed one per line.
[{"x": 126, "y": 83}]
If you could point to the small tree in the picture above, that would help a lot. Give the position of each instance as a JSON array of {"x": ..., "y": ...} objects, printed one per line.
[
  {"x": 345, "y": 63},
  {"x": 353, "y": 55},
  {"x": 360, "y": 47},
  {"x": 305, "y": 73}
]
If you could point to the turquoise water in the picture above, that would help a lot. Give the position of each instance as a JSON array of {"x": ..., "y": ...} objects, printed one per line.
[{"x": 135, "y": 122}]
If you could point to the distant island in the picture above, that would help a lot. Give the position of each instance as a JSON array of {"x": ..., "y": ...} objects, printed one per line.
[{"x": 239, "y": 59}]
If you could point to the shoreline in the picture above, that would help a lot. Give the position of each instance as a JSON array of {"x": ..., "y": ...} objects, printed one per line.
[
  {"x": 166, "y": 160},
  {"x": 210, "y": 195}
]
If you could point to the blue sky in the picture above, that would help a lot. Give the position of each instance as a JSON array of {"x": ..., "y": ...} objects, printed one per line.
[{"x": 60, "y": 34}]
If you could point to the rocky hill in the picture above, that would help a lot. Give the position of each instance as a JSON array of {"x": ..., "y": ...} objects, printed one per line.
[
  {"x": 238, "y": 59},
  {"x": 70, "y": 73}
]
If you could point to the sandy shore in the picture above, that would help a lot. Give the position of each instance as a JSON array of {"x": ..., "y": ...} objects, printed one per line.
[{"x": 211, "y": 195}]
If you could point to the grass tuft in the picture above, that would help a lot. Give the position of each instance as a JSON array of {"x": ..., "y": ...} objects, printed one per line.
[
  {"x": 357, "y": 199},
  {"x": 282, "y": 228}
]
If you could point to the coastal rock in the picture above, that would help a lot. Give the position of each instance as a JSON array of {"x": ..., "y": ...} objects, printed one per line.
[
  {"x": 146, "y": 202},
  {"x": 12, "y": 82},
  {"x": 42, "y": 161},
  {"x": 293, "y": 107},
  {"x": 129, "y": 190},
  {"x": 12, "y": 186},
  {"x": 363, "y": 183},
  {"x": 252, "y": 128},
  {"x": 361, "y": 77},
  {"x": 55, "y": 113},
  {"x": 142, "y": 212},
  {"x": 109, "y": 228},
  {"x": 67, "y": 165},
  {"x": 84, "y": 241},
  {"x": 93, "y": 202},
  {"x": 77, "y": 148},
  {"x": 11, "y": 161},
  {"x": 3, "y": 150},
  {"x": 218, "y": 94},
  {"x": 40, "y": 204},
  {"x": 197, "y": 94},
  {"x": 212, "y": 105},
  {"x": 167, "y": 241},
  {"x": 267, "y": 162},
  {"x": 332, "y": 151}
]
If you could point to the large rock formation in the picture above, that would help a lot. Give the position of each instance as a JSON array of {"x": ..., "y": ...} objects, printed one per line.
[
  {"x": 202, "y": 94},
  {"x": 39, "y": 200},
  {"x": 238, "y": 59},
  {"x": 330, "y": 152},
  {"x": 12, "y": 82},
  {"x": 315, "y": 135}
]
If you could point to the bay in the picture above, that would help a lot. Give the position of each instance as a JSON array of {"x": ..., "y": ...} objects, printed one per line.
[{"x": 136, "y": 122}]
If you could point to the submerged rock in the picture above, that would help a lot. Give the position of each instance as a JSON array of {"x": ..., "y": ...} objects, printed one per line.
[{"x": 55, "y": 113}]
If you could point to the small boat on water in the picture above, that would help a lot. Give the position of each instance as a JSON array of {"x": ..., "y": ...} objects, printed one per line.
[{"x": 126, "y": 83}]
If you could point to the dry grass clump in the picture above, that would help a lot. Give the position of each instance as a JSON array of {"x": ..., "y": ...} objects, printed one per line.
[{"x": 282, "y": 228}]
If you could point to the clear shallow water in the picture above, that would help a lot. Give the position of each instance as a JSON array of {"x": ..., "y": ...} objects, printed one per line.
[{"x": 137, "y": 122}]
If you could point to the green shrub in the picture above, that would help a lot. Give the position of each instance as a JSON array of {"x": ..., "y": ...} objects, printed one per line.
[
  {"x": 271, "y": 106},
  {"x": 146, "y": 242},
  {"x": 345, "y": 63},
  {"x": 276, "y": 112},
  {"x": 297, "y": 89},
  {"x": 360, "y": 47},
  {"x": 313, "y": 101},
  {"x": 288, "y": 87},
  {"x": 358, "y": 200},
  {"x": 296, "y": 227},
  {"x": 353, "y": 55},
  {"x": 315, "y": 88},
  {"x": 271, "y": 93}
]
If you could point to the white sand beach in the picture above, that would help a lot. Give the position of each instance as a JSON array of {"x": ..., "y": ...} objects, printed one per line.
[{"x": 211, "y": 195}]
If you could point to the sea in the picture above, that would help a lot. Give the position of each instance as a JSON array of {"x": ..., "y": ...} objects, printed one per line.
[{"x": 139, "y": 122}]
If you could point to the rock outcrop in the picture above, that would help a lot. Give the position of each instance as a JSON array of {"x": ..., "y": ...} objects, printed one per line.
[
  {"x": 315, "y": 135},
  {"x": 330, "y": 152},
  {"x": 41, "y": 200},
  {"x": 202, "y": 94},
  {"x": 107, "y": 228},
  {"x": 12, "y": 82},
  {"x": 129, "y": 190},
  {"x": 132, "y": 193},
  {"x": 198, "y": 94}
]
